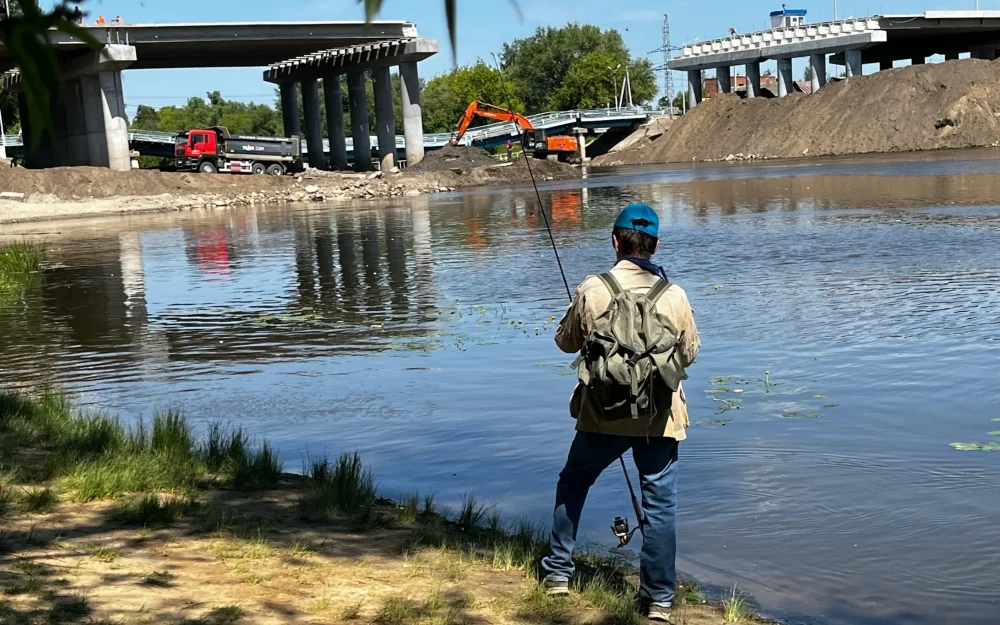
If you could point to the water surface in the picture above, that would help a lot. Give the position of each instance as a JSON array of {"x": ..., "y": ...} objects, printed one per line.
[{"x": 419, "y": 332}]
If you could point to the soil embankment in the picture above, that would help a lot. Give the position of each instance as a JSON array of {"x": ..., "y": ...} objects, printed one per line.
[
  {"x": 87, "y": 191},
  {"x": 921, "y": 107}
]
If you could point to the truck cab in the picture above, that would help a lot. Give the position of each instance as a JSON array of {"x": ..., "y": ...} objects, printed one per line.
[{"x": 194, "y": 146}]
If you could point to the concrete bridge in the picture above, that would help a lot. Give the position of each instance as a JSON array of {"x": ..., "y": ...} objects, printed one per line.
[
  {"x": 156, "y": 143},
  {"x": 90, "y": 123},
  {"x": 882, "y": 39}
]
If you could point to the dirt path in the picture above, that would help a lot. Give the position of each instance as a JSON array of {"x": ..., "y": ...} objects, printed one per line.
[{"x": 919, "y": 107}]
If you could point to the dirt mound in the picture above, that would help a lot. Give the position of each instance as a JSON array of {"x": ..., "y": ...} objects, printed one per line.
[
  {"x": 920, "y": 107},
  {"x": 454, "y": 157},
  {"x": 76, "y": 183}
]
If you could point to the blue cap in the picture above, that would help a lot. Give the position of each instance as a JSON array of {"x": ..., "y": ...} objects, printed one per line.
[{"x": 639, "y": 217}]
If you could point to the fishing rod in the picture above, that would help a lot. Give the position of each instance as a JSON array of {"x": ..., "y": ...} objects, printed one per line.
[{"x": 620, "y": 526}]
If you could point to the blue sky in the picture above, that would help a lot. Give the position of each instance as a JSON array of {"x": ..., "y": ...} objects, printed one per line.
[{"x": 484, "y": 25}]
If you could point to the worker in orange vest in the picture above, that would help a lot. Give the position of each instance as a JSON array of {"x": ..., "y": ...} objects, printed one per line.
[
  {"x": 118, "y": 20},
  {"x": 100, "y": 19}
]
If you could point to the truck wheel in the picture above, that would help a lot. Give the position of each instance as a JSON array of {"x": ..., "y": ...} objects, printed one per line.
[
  {"x": 258, "y": 169},
  {"x": 208, "y": 167},
  {"x": 274, "y": 170}
]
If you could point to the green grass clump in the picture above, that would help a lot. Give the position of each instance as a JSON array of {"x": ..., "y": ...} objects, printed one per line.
[
  {"x": 409, "y": 509},
  {"x": 230, "y": 453},
  {"x": 346, "y": 487},
  {"x": 149, "y": 510},
  {"x": 472, "y": 514},
  {"x": 618, "y": 599},
  {"x": 397, "y": 611},
  {"x": 734, "y": 607},
  {"x": 39, "y": 500},
  {"x": 538, "y": 607},
  {"x": 225, "y": 614},
  {"x": 20, "y": 268},
  {"x": 114, "y": 476},
  {"x": 352, "y": 612}
]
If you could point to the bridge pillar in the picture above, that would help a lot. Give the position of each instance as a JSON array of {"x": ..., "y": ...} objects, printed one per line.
[
  {"x": 694, "y": 88},
  {"x": 314, "y": 123},
  {"x": 335, "y": 121},
  {"x": 852, "y": 60},
  {"x": 918, "y": 60},
  {"x": 724, "y": 76},
  {"x": 385, "y": 120},
  {"x": 290, "y": 109},
  {"x": 785, "y": 85},
  {"x": 358, "y": 101},
  {"x": 817, "y": 71},
  {"x": 753, "y": 79},
  {"x": 413, "y": 125},
  {"x": 885, "y": 64},
  {"x": 951, "y": 56}
]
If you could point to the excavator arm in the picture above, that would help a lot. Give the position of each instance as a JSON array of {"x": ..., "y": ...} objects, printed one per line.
[{"x": 482, "y": 109}]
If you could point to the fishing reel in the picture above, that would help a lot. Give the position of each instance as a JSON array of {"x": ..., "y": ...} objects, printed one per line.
[{"x": 621, "y": 531}]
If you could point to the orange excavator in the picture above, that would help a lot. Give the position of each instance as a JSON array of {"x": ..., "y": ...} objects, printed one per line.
[{"x": 537, "y": 141}]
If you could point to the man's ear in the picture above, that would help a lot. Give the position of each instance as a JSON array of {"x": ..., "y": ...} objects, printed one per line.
[
  {"x": 657, "y": 248},
  {"x": 614, "y": 242}
]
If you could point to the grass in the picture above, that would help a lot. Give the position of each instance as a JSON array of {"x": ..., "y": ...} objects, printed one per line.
[
  {"x": 225, "y": 614},
  {"x": 104, "y": 554},
  {"x": 396, "y": 610},
  {"x": 149, "y": 510},
  {"x": 230, "y": 453},
  {"x": 734, "y": 607},
  {"x": 160, "y": 579},
  {"x": 40, "y": 500},
  {"x": 352, "y": 612},
  {"x": 20, "y": 268},
  {"x": 409, "y": 509},
  {"x": 345, "y": 487}
]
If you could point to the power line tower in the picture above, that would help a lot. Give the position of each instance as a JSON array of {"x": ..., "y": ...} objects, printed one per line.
[{"x": 668, "y": 76}]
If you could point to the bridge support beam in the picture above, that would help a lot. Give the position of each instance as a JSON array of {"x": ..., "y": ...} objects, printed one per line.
[
  {"x": 335, "y": 132},
  {"x": 852, "y": 60},
  {"x": 753, "y": 79},
  {"x": 314, "y": 123},
  {"x": 89, "y": 118},
  {"x": 918, "y": 60},
  {"x": 290, "y": 108},
  {"x": 385, "y": 120},
  {"x": 885, "y": 64},
  {"x": 784, "y": 77},
  {"x": 817, "y": 71},
  {"x": 358, "y": 101},
  {"x": 694, "y": 88},
  {"x": 413, "y": 124},
  {"x": 951, "y": 56},
  {"x": 724, "y": 76}
]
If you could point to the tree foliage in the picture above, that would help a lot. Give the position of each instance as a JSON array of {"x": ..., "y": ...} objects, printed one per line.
[
  {"x": 213, "y": 110},
  {"x": 574, "y": 67},
  {"x": 446, "y": 96}
]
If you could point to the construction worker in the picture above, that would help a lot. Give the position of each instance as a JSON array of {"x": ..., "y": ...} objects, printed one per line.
[
  {"x": 118, "y": 20},
  {"x": 510, "y": 150},
  {"x": 100, "y": 20},
  {"x": 77, "y": 15},
  {"x": 651, "y": 420}
]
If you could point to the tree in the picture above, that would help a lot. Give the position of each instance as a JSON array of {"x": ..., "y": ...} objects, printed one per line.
[
  {"x": 681, "y": 102},
  {"x": 808, "y": 74},
  {"x": 446, "y": 96},
  {"x": 560, "y": 68},
  {"x": 146, "y": 118},
  {"x": 214, "y": 110}
]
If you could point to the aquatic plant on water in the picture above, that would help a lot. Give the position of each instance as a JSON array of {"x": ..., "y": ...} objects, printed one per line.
[{"x": 20, "y": 268}]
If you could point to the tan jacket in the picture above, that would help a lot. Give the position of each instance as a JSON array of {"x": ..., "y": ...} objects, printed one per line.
[{"x": 592, "y": 299}]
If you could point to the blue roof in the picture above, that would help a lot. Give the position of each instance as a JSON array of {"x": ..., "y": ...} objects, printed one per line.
[{"x": 788, "y": 12}]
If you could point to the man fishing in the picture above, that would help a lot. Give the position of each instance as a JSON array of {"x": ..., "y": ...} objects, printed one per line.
[{"x": 636, "y": 334}]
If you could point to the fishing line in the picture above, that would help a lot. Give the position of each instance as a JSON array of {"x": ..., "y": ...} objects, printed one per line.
[{"x": 620, "y": 527}]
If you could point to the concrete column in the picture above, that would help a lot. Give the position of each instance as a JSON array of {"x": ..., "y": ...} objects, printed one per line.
[
  {"x": 385, "y": 121},
  {"x": 115, "y": 120},
  {"x": 290, "y": 108},
  {"x": 314, "y": 123},
  {"x": 581, "y": 138},
  {"x": 358, "y": 101},
  {"x": 335, "y": 122},
  {"x": 918, "y": 60},
  {"x": 413, "y": 125},
  {"x": 817, "y": 71},
  {"x": 785, "y": 84},
  {"x": 694, "y": 88},
  {"x": 852, "y": 60},
  {"x": 753, "y": 80},
  {"x": 951, "y": 56},
  {"x": 725, "y": 77},
  {"x": 884, "y": 65}
]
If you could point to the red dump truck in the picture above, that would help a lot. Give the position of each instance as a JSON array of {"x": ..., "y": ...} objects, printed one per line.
[{"x": 213, "y": 150}]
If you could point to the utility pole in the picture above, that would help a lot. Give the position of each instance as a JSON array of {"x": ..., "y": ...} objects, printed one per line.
[
  {"x": 835, "y": 9},
  {"x": 668, "y": 76},
  {"x": 3, "y": 137}
]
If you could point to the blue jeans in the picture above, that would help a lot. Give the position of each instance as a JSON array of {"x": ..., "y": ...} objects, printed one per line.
[{"x": 656, "y": 459}]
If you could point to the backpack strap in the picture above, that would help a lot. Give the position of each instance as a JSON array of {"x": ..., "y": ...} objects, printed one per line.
[
  {"x": 657, "y": 290},
  {"x": 612, "y": 283}
]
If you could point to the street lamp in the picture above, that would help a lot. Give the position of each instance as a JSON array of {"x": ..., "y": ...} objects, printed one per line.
[{"x": 614, "y": 84}]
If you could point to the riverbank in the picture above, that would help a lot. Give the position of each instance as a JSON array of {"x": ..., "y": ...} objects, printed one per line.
[
  {"x": 100, "y": 523},
  {"x": 65, "y": 192},
  {"x": 937, "y": 106}
]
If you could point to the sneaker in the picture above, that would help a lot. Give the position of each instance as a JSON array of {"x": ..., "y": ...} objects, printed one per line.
[
  {"x": 556, "y": 587},
  {"x": 659, "y": 613}
]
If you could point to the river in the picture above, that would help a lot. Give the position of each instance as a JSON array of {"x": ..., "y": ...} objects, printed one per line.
[{"x": 419, "y": 332}]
